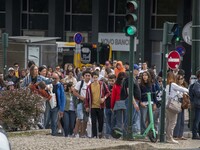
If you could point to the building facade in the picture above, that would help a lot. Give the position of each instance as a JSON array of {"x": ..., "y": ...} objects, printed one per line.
[{"x": 93, "y": 18}]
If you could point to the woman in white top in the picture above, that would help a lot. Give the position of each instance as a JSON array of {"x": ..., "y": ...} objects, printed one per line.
[{"x": 172, "y": 91}]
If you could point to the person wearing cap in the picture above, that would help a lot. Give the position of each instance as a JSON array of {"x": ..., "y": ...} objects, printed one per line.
[
  {"x": 11, "y": 76},
  {"x": 10, "y": 85}
]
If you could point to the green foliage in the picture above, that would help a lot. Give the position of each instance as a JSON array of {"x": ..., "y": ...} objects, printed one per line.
[{"x": 18, "y": 109}]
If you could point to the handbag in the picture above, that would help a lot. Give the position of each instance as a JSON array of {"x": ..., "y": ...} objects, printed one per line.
[
  {"x": 186, "y": 101},
  {"x": 52, "y": 101},
  {"x": 173, "y": 105},
  {"x": 119, "y": 105}
]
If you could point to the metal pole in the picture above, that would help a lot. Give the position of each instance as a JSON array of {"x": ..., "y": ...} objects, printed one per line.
[
  {"x": 5, "y": 45},
  {"x": 195, "y": 62},
  {"x": 130, "y": 87},
  {"x": 164, "y": 72},
  {"x": 140, "y": 52}
]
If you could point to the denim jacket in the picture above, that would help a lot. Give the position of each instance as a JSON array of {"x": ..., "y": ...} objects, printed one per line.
[{"x": 28, "y": 79}]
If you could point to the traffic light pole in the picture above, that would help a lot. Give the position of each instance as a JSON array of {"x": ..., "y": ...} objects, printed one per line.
[
  {"x": 129, "y": 135},
  {"x": 164, "y": 72}
]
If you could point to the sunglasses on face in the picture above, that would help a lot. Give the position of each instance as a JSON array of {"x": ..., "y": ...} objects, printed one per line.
[{"x": 180, "y": 79}]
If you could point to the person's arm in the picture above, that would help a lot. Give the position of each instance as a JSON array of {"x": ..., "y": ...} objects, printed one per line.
[
  {"x": 113, "y": 95},
  {"x": 179, "y": 88}
]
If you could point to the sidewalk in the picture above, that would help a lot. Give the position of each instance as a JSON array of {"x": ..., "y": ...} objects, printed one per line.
[{"x": 48, "y": 142}]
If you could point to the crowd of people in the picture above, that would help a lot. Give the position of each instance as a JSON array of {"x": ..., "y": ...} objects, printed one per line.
[{"x": 79, "y": 101}]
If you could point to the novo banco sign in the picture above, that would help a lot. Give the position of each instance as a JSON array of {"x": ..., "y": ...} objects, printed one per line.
[{"x": 118, "y": 41}]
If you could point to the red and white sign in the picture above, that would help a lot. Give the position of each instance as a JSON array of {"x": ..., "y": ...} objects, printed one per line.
[{"x": 173, "y": 60}]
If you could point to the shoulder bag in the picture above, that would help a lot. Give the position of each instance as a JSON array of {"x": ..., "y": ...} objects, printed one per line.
[{"x": 173, "y": 105}]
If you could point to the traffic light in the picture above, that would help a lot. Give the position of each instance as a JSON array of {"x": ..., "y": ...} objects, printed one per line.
[
  {"x": 131, "y": 18},
  {"x": 171, "y": 33}
]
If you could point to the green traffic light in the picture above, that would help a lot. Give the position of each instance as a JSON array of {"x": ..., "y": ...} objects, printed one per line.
[
  {"x": 178, "y": 39},
  {"x": 131, "y": 30}
]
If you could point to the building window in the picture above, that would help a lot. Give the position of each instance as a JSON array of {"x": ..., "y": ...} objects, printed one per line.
[
  {"x": 34, "y": 14},
  {"x": 40, "y": 6},
  {"x": 162, "y": 11},
  {"x": 78, "y": 15},
  {"x": 117, "y": 12},
  {"x": 83, "y": 6},
  {"x": 2, "y": 13}
]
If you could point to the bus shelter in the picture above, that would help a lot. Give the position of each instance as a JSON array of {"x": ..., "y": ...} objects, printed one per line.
[{"x": 21, "y": 49}]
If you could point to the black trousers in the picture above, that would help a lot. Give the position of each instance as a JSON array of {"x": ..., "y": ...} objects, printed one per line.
[{"x": 97, "y": 114}]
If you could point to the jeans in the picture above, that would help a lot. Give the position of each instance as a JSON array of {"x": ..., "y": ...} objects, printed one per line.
[
  {"x": 157, "y": 118},
  {"x": 109, "y": 120},
  {"x": 54, "y": 120},
  {"x": 179, "y": 128},
  {"x": 69, "y": 119},
  {"x": 120, "y": 116},
  {"x": 144, "y": 112},
  {"x": 47, "y": 115},
  {"x": 135, "y": 119},
  {"x": 196, "y": 122},
  {"x": 97, "y": 114}
]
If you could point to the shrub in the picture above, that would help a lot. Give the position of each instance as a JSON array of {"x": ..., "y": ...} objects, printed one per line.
[{"x": 18, "y": 109}]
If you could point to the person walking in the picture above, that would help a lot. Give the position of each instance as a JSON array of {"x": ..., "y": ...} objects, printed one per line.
[
  {"x": 58, "y": 89},
  {"x": 96, "y": 94}
]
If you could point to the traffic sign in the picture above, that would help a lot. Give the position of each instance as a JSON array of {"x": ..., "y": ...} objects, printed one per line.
[
  {"x": 187, "y": 33},
  {"x": 78, "y": 38},
  {"x": 173, "y": 60},
  {"x": 180, "y": 50}
]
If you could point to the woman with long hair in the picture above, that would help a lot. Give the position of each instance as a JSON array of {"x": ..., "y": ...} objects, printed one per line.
[
  {"x": 172, "y": 92},
  {"x": 179, "y": 128},
  {"x": 146, "y": 86}
]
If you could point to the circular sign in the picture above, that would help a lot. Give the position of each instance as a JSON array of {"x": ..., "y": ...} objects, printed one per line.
[
  {"x": 78, "y": 38},
  {"x": 173, "y": 60},
  {"x": 180, "y": 50},
  {"x": 187, "y": 33}
]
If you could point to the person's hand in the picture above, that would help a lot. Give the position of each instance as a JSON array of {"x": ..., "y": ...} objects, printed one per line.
[
  {"x": 82, "y": 98},
  {"x": 136, "y": 106},
  {"x": 102, "y": 100},
  {"x": 87, "y": 110},
  {"x": 142, "y": 104},
  {"x": 61, "y": 114},
  {"x": 154, "y": 107}
]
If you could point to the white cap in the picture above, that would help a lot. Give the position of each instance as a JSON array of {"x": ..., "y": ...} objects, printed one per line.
[
  {"x": 11, "y": 69},
  {"x": 97, "y": 68}
]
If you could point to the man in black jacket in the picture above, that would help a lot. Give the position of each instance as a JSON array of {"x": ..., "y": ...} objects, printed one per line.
[{"x": 136, "y": 99}]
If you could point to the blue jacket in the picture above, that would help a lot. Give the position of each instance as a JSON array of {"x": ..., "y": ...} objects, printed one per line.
[
  {"x": 28, "y": 79},
  {"x": 145, "y": 89},
  {"x": 60, "y": 95}
]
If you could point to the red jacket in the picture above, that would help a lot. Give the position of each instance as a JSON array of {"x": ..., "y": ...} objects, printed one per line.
[
  {"x": 104, "y": 92},
  {"x": 115, "y": 94}
]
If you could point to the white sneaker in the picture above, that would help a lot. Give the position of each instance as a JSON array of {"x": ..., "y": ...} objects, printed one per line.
[
  {"x": 172, "y": 141},
  {"x": 59, "y": 131}
]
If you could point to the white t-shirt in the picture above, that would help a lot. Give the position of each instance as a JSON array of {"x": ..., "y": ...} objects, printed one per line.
[{"x": 83, "y": 89}]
